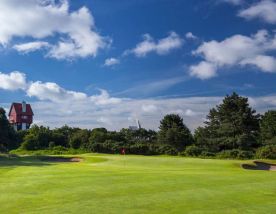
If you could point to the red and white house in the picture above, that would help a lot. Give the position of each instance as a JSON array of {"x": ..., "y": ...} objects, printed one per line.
[{"x": 21, "y": 116}]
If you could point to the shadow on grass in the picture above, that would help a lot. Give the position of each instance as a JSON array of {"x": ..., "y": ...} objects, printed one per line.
[
  {"x": 38, "y": 160},
  {"x": 14, "y": 160},
  {"x": 259, "y": 166}
]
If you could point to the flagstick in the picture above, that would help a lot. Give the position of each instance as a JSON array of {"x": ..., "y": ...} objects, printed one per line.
[{"x": 125, "y": 158}]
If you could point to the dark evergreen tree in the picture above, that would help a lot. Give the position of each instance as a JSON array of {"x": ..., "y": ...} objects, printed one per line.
[
  {"x": 231, "y": 125},
  {"x": 174, "y": 132},
  {"x": 268, "y": 128},
  {"x": 7, "y": 134}
]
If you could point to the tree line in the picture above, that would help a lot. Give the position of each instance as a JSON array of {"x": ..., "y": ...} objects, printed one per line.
[{"x": 232, "y": 130}]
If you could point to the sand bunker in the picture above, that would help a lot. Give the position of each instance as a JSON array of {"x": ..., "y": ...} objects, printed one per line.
[
  {"x": 60, "y": 159},
  {"x": 260, "y": 166}
]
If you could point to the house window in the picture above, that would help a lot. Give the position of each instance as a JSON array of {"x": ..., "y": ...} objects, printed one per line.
[{"x": 24, "y": 117}]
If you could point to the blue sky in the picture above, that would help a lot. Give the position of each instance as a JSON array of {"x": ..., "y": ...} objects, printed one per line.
[{"x": 106, "y": 63}]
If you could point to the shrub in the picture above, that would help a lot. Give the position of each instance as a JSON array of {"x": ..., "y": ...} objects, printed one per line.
[
  {"x": 167, "y": 150},
  {"x": 139, "y": 149},
  {"x": 226, "y": 154},
  {"x": 193, "y": 151},
  {"x": 207, "y": 154},
  {"x": 266, "y": 152},
  {"x": 75, "y": 143},
  {"x": 30, "y": 143},
  {"x": 271, "y": 141},
  {"x": 235, "y": 154},
  {"x": 245, "y": 154},
  {"x": 109, "y": 146},
  {"x": 51, "y": 145}
]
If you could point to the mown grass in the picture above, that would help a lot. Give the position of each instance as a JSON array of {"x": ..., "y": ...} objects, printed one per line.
[{"x": 134, "y": 184}]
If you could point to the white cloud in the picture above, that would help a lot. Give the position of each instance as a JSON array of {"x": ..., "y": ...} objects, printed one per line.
[
  {"x": 13, "y": 81},
  {"x": 233, "y": 51},
  {"x": 104, "y": 98},
  {"x": 31, "y": 46},
  {"x": 161, "y": 47},
  {"x": 52, "y": 91},
  {"x": 111, "y": 61},
  {"x": 190, "y": 113},
  {"x": 265, "y": 63},
  {"x": 150, "y": 88},
  {"x": 105, "y": 120},
  {"x": 264, "y": 10},
  {"x": 190, "y": 35},
  {"x": 203, "y": 70},
  {"x": 59, "y": 106},
  {"x": 40, "y": 19},
  {"x": 149, "y": 108}
]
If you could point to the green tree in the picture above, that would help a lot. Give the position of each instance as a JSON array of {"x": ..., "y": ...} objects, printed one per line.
[
  {"x": 7, "y": 134},
  {"x": 268, "y": 128},
  {"x": 79, "y": 138},
  {"x": 30, "y": 142},
  {"x": 61, "y": 136},
  {"x": 174, "y": 132},
  {"x": 140, "y": 135},
  {"x": 98, "y": 135},
  {"x": 38, "y": 137},
  {"x": 231, "y": 125}
]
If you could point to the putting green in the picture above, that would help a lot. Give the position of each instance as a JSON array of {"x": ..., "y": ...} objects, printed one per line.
[{"x": 134, "y": 184}]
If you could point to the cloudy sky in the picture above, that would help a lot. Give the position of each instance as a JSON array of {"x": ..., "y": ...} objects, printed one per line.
[{"x": 105, "y": 63}]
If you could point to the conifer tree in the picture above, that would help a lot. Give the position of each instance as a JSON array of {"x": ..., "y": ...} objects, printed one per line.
[
  {"x": 231, "y": 125},
  {"x": 174, "y": 132},
  {"x": 7, "y": 133}
]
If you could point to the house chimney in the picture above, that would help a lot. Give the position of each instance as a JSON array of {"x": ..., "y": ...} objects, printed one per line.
[{"x": 23, "y": 107}]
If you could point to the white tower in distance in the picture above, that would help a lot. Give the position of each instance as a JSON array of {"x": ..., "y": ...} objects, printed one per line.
[{"x": 138, "y": 124}]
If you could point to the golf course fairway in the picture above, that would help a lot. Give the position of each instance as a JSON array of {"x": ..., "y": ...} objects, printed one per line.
[{"x": 134, "y": 184}]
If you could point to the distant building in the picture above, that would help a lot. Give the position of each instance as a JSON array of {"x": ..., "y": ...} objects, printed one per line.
[
  {"x": 135, "y": 128},
  {"x": 21, "y": 116}
]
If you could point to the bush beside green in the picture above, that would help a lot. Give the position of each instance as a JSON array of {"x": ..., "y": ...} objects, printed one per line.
[{"x": 266, "y": 152}]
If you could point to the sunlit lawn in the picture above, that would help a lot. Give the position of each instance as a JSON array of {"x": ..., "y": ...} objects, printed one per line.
[{"x": 134, "y": 184}]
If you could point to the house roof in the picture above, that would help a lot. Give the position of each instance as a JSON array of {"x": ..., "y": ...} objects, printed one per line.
[{"x": 18, "y": 109}]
